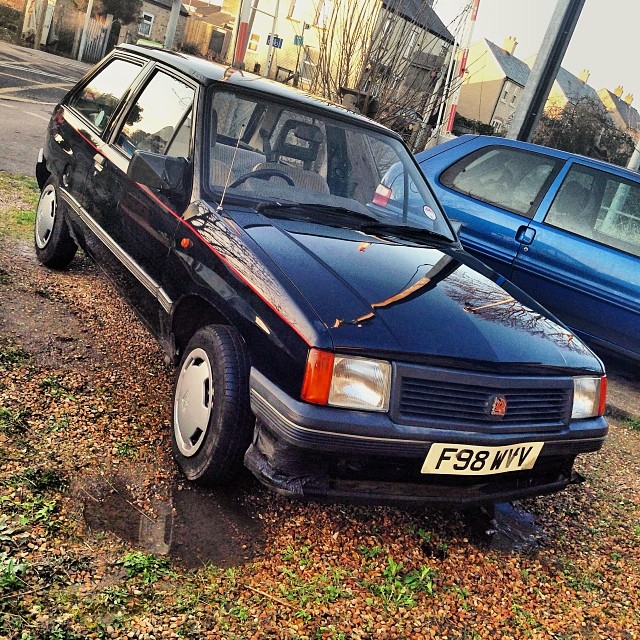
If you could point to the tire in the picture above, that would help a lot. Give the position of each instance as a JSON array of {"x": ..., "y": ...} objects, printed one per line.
[
  {"x": 212, "y": 423},
  {"x": 54, "y": 245}
]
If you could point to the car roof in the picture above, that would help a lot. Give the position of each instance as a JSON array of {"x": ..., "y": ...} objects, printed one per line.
[
  {"x": 477, "y": 141},
  {"x": 206, "y": 72}
]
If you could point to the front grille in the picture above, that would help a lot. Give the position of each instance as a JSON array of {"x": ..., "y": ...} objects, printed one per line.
[{"x": 453, "y": 399}]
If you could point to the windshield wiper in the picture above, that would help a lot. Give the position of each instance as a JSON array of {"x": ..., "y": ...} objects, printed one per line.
[
  {"x": 350, "y": 219},
  {"x": 309, "y": 211},
  {"x": 405, "y": 232}
]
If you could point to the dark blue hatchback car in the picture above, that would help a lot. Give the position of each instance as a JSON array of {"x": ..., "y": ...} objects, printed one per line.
[
  {"x": 328, "y": 330},
  {"x": 563, "y": 227}
]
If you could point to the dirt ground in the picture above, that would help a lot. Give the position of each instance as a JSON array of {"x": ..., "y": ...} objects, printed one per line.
[{"x": 99, "y": 537}]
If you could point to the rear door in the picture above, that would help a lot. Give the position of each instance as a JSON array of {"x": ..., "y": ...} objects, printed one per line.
[
  {"x": 583, "y": 261},
  {"x": 135, "y": 225},
  {"x": 494, "y": 192}
]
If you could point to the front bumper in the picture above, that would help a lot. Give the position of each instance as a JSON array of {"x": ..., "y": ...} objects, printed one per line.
[{"x": 303, "y": 450}]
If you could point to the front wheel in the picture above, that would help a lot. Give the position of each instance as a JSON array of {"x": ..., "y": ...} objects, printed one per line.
[
  {"x": 212, "y": 424},
  {"x": 54, "y": 245}
]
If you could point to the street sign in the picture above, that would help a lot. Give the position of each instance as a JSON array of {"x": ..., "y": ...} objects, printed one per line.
[
  {"x": 298, "y": 41},
  {"x": 277, "y": 42}
]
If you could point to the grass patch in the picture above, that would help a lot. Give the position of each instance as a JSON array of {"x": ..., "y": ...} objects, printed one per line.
[
  {"x": 12, "y": 357},
  {"x": 633, "y": 423},
  {"x": 18, "y": 202}
]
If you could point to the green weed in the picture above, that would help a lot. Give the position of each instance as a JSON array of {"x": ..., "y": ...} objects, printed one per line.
[
  {"x": 10, "y": 571},
  {"x": 148, "y": 566},
  {"x": 56, "y": 388},
  {"x": 12, "y": 422},
  {"x": 398, "y": 588},
  {"x": 12, "y": 357},
  {"x": 126, "y": 448},
  {"x": 370, "y": 552}
]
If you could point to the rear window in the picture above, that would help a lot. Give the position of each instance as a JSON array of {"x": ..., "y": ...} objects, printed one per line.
[
  {"x": 98, "y": 99},
  {"x": 512, "y": 179}
]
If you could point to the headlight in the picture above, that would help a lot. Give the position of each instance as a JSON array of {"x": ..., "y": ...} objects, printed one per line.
[
  {"x": 348, "y": 382},
  {"x": 589, "y": 397}
]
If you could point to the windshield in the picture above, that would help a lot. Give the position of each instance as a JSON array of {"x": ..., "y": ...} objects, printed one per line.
[{"x": 284, "y": 153}]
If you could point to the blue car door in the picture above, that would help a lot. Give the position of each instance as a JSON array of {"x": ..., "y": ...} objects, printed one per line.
[
  {"x": 580, "y": 255},
  {"x": 494, "y": 192}
]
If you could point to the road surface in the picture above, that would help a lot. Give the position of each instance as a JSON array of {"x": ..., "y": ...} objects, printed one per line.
[{"x": 31, "y": 83}]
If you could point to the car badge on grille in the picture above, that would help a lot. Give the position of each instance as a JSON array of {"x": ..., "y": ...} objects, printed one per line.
[{"x": 497, "y": 406}]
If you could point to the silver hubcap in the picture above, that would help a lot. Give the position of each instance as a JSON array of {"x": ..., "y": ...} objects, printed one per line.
[
  {"x": 45, "y": 216},
  {"x": 193, "y": 402}
]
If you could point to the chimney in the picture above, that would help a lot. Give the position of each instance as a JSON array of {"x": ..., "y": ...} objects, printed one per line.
[
  {"x": 584, "y": 76},
  {"x": 629, "y": 98},
  {"x": 509, "y": 45},
  {"x": 618, "y": 91}
]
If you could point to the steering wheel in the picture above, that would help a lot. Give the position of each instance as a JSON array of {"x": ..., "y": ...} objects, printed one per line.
[{"x": 263, "y": 174}]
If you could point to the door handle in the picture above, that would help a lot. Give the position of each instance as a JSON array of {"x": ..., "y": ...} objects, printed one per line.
[
  {"x": 98, "y": 162},
  {"x": 525, "y": 235}
]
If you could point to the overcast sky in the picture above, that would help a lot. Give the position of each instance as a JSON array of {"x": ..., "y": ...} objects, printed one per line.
[{"x": 603, "y": 42}]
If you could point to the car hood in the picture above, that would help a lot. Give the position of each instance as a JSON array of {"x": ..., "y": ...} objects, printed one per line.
[{"x": 429, "y": 303}]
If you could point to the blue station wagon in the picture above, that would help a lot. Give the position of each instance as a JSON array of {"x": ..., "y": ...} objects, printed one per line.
[
  {"x": 329, "y": 332},
  {"x": 563, "y": 227}
]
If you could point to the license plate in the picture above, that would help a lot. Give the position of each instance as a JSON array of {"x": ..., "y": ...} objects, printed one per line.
[{"x": 470, "y": 460}]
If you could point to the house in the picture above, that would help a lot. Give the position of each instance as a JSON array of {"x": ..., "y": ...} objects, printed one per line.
[
  {"x": 153, "y": 24},
  {"x": 493, "y": 82},
  {"x": 384, "y": 49},
  {"x": 622, "y": 113},
  {"x": 568, "y": 89}
]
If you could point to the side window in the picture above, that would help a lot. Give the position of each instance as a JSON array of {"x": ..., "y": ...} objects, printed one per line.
[
  {"x": 150, "y": 128},
  {"x": 600, "y": 206},
  {"x": 509, "y": 178},
  {"x": 98, "y": 99}
]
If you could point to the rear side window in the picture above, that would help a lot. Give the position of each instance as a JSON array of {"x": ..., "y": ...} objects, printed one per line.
[
  {"x": 600, "y": 206},
  {"x": 512, "y": 179},
  {"x": 98, "y": 99}
]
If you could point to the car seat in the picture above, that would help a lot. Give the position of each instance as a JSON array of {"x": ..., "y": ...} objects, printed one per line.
[{"x": 300, "y": 141}]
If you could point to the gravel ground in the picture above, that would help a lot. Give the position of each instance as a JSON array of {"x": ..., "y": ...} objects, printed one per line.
[{"x": 99, "y": 537}]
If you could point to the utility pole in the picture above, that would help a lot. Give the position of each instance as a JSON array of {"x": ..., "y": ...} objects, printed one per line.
[
  {"x": 462, "y": 66},
  {"x": 170, "y": 33},
  {"x": 545, "y": 69}
]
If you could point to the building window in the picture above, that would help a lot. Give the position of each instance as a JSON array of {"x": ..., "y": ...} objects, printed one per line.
[
  {"x": 254, "y": 41},
  {"x": 325, "y": 8},
  {"x": 144, "y": 28},
  {"x": 514, "y": 97},
  {"x": 411, "y": 43},
  {"x": 497, "y": 126},
  {"x": 309, "y": 66}
]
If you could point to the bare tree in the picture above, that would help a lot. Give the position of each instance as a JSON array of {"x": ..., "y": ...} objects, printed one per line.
[
  {"x": 385, "y": 52},
  {"x": 584, "y": 126}
]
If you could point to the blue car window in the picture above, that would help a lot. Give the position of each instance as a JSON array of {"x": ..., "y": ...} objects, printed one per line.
[
  {"x": 600, "y": 206},
  {"x": 506, "y": 177}
]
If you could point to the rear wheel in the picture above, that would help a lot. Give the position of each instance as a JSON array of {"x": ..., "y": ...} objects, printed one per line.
[
  {"x": 54, "y": 245},
  {"x": 212, "y": 424}
]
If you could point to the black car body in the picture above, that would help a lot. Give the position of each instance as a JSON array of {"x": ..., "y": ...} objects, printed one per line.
[{"x": 329, "y": 331}]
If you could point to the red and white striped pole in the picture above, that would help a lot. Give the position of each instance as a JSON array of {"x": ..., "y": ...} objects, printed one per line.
[
  {"x": 462, "y": 64},
  {"x": 242, "y": 38}
]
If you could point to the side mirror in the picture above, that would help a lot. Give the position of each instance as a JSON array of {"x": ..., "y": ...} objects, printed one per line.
[{"x": 157, "y": 171}]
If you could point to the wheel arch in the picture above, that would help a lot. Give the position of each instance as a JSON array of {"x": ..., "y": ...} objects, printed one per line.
[{"x": 192, "y": 313}]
